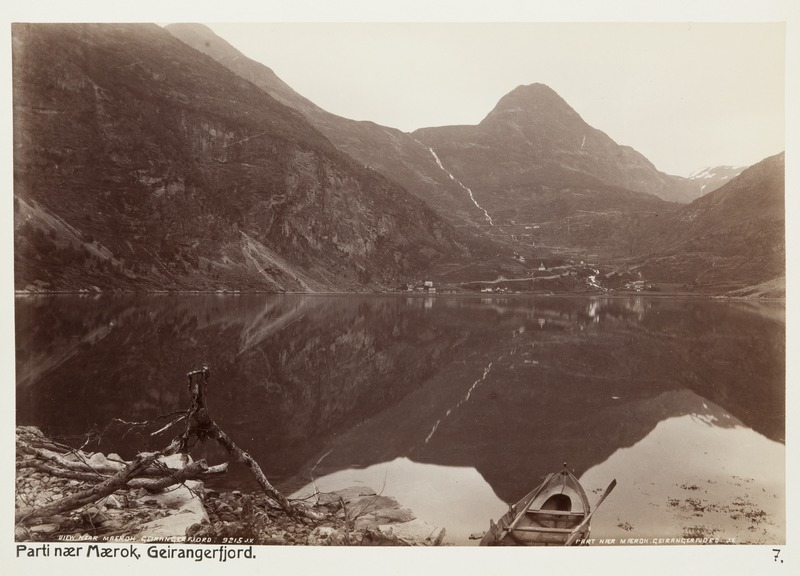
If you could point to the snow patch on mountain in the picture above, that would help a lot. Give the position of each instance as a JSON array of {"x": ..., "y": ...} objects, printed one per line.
[
  {"x": 725, "y": 172},
  {"x": 714, "y": 177}
]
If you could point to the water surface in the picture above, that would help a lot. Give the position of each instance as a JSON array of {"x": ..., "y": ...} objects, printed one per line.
[{"x": 455, "y": 405}]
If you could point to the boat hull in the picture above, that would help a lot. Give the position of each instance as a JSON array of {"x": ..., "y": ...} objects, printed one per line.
[{"x": 547, "y": 516}]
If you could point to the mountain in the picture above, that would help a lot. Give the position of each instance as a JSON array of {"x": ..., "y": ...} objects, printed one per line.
[
  {"x": 533, "y": 138},
  {"x": 709, "y": 179},
  {"x": 393, "y": 153},
  {"x": 532, "y": 174},
  {"x": 729, "y": 239},
  {"x": 551, "y": 179},
  {"x": 140, "y": 163}
]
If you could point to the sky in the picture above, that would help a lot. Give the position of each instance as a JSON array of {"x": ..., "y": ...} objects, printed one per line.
[{"x": 685, "y": 95}]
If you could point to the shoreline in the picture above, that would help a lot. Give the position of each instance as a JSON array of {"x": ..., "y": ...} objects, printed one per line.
[
  {"x": 190, "y": 513},
  {"x": 462, "y": 294}
]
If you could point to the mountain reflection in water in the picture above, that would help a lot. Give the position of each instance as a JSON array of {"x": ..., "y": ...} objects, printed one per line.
[{"x": 508, "y": 386}]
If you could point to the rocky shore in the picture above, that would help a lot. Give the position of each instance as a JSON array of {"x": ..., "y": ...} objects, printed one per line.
[{"x": 188, "y": 512}]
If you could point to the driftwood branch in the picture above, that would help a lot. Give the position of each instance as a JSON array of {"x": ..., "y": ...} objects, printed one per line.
[
  {"x": 145, "y": 471},
  {"x": 198, "y": 470},
  {"x": 203, "y": 427},
  {"x": 81, "y": 464},
  {"x": 96, "y": 492}
]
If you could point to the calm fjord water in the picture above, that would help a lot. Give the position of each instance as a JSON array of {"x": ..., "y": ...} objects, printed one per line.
[{"x": 455, "y": 405}]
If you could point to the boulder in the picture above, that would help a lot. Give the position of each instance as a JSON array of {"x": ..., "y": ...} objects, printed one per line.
[
  {"x": 44, "y": 529},
  {"x": 372, "y": 511},
  {"x": 99, "y": 461},
  {"x": 177, "y": 496},
  {"x": 175, "y": 461},
  {"x": 374, "y": 537},
  {"x": 326, "y": 536},
  {"x": 186, "y": 509},
  {"x": 414, "y": 533}
]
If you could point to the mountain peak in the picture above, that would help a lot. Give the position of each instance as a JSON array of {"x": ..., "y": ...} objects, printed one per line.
[
  {"x": 535, "y": 101},
  {"x": 536, "y": 90}
]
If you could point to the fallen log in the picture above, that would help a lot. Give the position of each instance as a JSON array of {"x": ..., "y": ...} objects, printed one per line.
[
  {"x": 198, "y": 470},
  {"x": 97, "y": 465},
  {"x": 119, "y": 480}
]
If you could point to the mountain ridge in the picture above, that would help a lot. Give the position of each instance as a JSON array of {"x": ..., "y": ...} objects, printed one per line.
[
  {"x": 426, "y": 169},
  {"x": 142, "y": 163},
  {"x": 179, "y": 174},
  {"x": 388, "y": 150}
]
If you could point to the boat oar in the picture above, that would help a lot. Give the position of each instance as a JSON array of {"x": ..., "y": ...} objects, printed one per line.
[{"x": 573, "y": 536}]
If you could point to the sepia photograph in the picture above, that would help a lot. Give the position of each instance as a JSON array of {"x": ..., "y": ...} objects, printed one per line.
[{"x": 324, "y": 281}]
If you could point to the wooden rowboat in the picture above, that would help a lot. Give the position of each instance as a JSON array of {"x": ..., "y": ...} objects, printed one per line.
[{"x": 556, "y": 512}]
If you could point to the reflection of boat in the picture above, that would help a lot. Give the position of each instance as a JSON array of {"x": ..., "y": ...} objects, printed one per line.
[{"x": 556, "y": 512}]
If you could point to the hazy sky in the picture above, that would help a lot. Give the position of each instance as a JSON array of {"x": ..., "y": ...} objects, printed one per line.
[{"x": 684, "y": 95}]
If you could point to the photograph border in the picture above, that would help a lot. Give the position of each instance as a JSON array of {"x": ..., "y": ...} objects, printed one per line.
[{"x": 467, "y": 560}]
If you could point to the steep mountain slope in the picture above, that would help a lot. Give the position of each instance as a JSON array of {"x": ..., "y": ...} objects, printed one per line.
[
  {"x": 391, "y": 152},
  {"x": 731, "y": 238},
  {"x": 140, "y": 163}
]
